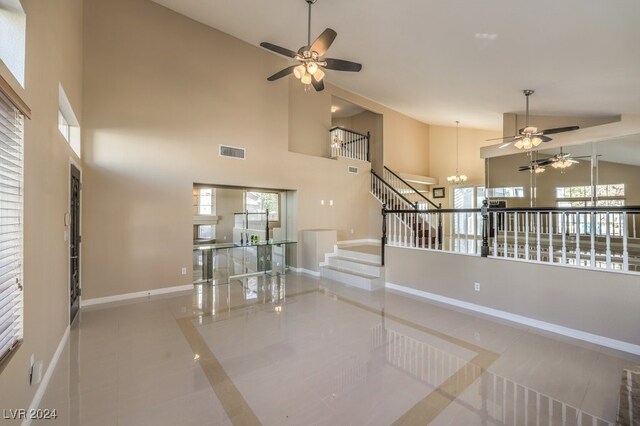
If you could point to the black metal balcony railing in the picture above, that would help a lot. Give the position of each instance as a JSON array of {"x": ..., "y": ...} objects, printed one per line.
[{"x": 349, "y": 144}]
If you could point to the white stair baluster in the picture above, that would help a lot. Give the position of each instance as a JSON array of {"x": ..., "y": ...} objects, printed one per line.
[
  {"x": 526, "y": 235},
  {"x": 550, "y": 226},
  {"x": 563, "y": 223},
  {"x": 515, "y": 235},
  {"x": 608, "y": 225},
  {"x": 625, "y": 232},
  {"x": 578, "y": 259},
  {"x": 538, "y": 235}
]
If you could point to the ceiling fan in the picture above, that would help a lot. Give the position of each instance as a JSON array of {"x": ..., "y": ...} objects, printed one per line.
[
  {"x": 558, "y": 161},
  {"x": 310, "y": 58},
  {"x": 529, "y": 137}
]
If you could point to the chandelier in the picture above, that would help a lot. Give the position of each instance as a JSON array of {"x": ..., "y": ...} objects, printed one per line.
[{"x": 457, "y": 178}]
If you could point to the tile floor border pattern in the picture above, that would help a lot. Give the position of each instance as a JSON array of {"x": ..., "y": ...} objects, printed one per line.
[{"x": 424, "y": 411}]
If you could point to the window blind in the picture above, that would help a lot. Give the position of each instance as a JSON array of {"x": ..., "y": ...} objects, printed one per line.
[{"x": 11, "y": 226}]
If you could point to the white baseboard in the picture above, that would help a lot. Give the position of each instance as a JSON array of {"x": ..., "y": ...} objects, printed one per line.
[
  {"x": 305, "y": 271},
  {"x": 542, "y": 325},
  {"x": 42, "y": 387},
  {"x": 362, "y": 241},
  {"x": 126, "y": 296}
]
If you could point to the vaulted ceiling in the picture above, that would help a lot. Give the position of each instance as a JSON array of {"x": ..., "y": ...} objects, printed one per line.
[{"x": 446, "y": 60}]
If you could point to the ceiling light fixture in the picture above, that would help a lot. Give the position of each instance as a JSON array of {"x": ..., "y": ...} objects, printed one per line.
[{"x": 457, "y": 178}]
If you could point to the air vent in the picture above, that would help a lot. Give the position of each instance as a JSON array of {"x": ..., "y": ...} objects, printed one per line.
[
  {"x": 352, "y": 169},
  {"x": 232, "y": 152}
]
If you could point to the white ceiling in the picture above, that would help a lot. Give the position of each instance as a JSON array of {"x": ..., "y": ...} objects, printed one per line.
[{"x": 423, "y": 58}]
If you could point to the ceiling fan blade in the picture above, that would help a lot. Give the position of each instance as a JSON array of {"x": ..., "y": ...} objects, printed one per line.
[
  {"x": 525, "y": 168},
  {"x": 559, "y": 130},
  {"x": 282, "y": 73},
  {"x": 342, "y": 65},
  {"x": 281, "y": 50},
  {"x": 318, "y": 85},
  {"x": 545, "y": 162},
  {"x": 571, "y": 160},
  {"x": 500, "y": 139},
  {"x": 324, "y": 40},
  {"x": 506, "y": 144},
  {"x": 544, "y": 138}
]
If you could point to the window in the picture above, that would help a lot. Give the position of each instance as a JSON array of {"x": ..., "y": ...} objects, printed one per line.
[
  {"x": 260, "y": 202},
  {"x": 611, "y": 195},
  {"x": 63, "y": 126},
  {"x": 67, "y": 121},
  {"x": 506, "y": 192},
  {"x": 11, "y": 226},
  {"x": 206, "y": 232},
  {"x": 12, "y": 37},
  {"x": 612, "y": 192},
  {"x": 206, "y": 201}
]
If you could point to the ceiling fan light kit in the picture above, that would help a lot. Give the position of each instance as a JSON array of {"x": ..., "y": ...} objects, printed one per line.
[
  {"x": 530, "y": 137},
  {"x": 310, "y": 57},
  {"x": 561, "y": 161}
]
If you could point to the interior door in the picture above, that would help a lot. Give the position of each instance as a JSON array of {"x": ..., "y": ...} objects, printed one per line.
[{"x": 74, "y": 243}]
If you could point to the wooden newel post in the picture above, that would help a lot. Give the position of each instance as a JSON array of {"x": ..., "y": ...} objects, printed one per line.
[
  {"x": 383, "y": 241},
  {"x": 484, "y": 251}
]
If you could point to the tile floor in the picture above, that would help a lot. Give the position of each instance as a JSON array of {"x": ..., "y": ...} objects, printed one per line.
[{"x": 295, "y": 350}]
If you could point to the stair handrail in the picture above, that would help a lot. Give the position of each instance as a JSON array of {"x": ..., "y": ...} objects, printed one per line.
[
  {"x": 393, "y": 189},
  {"x": 364, "y": 136},
  {"x": 412, "y": 188}
]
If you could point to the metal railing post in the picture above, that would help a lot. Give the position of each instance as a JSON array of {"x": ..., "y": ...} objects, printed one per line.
[
  {"x": 368, "y": 147},
  {"x": 484, "y": 251}
]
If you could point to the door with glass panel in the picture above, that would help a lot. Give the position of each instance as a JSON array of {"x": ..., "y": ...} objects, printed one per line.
[{"x": 74, "y": 243}]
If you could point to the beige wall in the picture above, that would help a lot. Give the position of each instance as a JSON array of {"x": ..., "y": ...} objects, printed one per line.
[
  {"x": 155, "y": 113},
  {"x": 406, "y": 140},
  {"x": 53, "y": 55},
  {"x": 364, "y": 122},
  {"x": 228, "y": 202},
  {"x": 371, "y": 122},
  {"x": 341, "y": 122},
  {"x": 442, "y": 156},
  {"x": 602, "y": 303}
]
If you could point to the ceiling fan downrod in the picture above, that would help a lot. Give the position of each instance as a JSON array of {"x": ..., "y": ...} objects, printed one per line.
[
  {"x": 527, "y": 93},
  {"x": 309, "y": 2}
]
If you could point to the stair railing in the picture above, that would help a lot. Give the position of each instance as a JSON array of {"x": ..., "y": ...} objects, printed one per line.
[
  {"x": 408, "y": 190},
  {"x": 349, "y": 144},
  {"x": 410, "y": 227}
]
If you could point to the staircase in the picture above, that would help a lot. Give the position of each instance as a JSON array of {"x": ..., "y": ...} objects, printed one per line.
[
  {"x": 409, "y": 230},
  {"x": 357, "y": 266}
]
